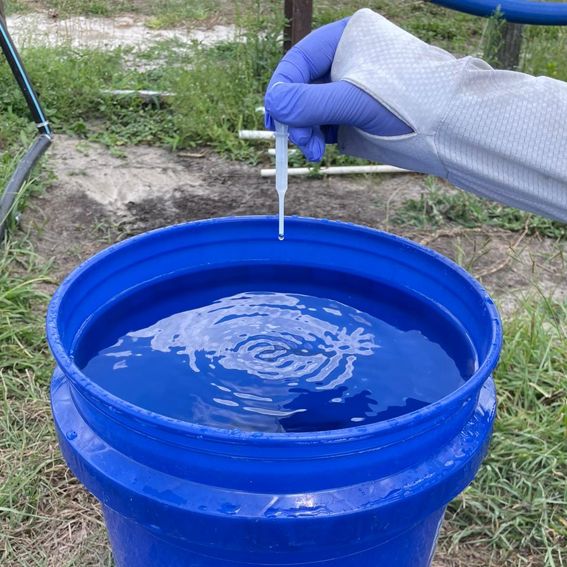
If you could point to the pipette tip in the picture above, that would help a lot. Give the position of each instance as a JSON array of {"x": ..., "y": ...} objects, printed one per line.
[{"x": 281, "y": 172}]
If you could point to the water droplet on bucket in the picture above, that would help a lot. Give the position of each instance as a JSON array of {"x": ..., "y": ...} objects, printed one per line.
[
  {"x": 228, "y": 508},
  {"x": 71, "y": 435}
]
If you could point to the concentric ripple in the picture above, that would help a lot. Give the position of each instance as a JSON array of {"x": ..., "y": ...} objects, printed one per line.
[
  {"x": 275, "y": 362},
  {"x": 269, "y": 336}
]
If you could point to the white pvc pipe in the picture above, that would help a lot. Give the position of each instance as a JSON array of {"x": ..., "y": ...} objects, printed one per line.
[
  {"x": 272, "y": 152},
  {"x": 145, "y": 95},
  {"x": 338, "y": 170},
  {"x": 255, "y": 135}
]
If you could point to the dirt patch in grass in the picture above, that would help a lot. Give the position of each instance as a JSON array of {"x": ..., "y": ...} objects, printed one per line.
[
  {"x": 99, "y": 198},
  {"x": 509, "y": 265},
  {"x": 127, "y": 31}
]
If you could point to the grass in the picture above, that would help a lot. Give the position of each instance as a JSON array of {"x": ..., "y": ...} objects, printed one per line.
[
  {"x": 39, "y": 501},
  {"x": 518, "y": 501},
  {"x": 437, "y": 206},
  {"x": 18, "y": 137},
  {"x": 220, "y": 93},
  {"x": 159, "y": 15},
  {"x": 218, "y": 90},
  {"x": 175, "y": 12}
]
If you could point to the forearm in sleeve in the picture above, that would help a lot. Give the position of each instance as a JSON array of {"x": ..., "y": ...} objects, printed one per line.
[{"x": 499, "y": 134}]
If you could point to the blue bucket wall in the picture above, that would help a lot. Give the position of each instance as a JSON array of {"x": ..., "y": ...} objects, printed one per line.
[{"x": 176, "y": 494}]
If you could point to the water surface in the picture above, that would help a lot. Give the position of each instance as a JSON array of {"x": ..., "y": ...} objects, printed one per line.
[{"x": 274, "y": 361}]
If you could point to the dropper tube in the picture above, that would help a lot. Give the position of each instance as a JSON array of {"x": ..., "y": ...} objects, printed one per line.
[{"x": 281, "y": 172}]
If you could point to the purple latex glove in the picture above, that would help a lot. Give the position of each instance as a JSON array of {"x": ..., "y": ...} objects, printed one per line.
[{"x": 301, "y": 95}]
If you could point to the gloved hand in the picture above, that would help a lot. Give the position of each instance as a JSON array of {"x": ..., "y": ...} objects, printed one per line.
[{"x": 301, "y": 95}]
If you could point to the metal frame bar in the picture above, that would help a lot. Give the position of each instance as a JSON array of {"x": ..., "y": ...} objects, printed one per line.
[{"x": 40, "y": 144}]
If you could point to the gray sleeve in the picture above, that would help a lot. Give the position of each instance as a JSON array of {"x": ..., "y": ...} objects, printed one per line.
[{"x": 499, "y": 134}]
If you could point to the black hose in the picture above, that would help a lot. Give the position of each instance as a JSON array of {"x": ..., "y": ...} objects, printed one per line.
[
  {"x": 41, "y": 143},
  {"x": 27, "y": 163}
]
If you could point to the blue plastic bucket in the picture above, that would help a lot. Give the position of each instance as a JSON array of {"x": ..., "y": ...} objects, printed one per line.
[{"x": 181, "y": 494}]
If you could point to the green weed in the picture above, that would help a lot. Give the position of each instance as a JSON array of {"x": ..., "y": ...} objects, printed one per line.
[
  {"x": 16, "y": 135},
  {"x": 437, "y": 206},
  {"x": 217, "y": 90},
  {"x": 220, "y": 93},
  {"x": 65, "y": 8},
  {"x": 545, "y": 51},
  {"x": 171, "y": 13},
  {"x": 518, "y": 501},
  {"x": 167, "y": 13}
]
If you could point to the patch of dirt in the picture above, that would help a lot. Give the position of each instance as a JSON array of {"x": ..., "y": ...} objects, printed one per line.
[
  {"x": 511, "y": 266},
  {"x": 479, "y": 555},
  {"x": 99, "y": 198},
  {"x": 37, "y": 29}
]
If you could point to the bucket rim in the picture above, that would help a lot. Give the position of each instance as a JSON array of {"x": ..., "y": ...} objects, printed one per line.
[{"x": 92, "y": 390}]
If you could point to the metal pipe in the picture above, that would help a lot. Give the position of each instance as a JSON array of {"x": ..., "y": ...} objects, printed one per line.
[
  {"x": 21, "y": 76},
  {"x": 27, "y": 163}
]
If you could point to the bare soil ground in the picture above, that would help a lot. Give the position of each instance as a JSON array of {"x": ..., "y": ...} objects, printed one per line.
[
  {"x": 98, "y": 198},
  {"x": 129, "y": 30}
]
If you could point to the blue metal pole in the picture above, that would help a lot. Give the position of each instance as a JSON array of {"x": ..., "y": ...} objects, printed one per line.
[{"x": 515, "y": 11}]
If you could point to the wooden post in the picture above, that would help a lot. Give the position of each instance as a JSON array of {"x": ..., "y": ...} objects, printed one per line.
[
  {"x": 299, "y": 18},
  {"x": 503, "y": 44},
  {"x": 2, "y": 10}
]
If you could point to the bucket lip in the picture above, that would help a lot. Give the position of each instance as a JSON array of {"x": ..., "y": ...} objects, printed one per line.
[{"x": 93, "y": 390}]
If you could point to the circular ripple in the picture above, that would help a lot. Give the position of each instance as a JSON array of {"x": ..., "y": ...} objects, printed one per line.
[
  {"x": 265, "y": 361},
  {"x": 271, "y": 336}
]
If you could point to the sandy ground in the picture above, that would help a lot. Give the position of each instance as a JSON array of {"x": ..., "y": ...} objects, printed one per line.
[
  {"x": 99, "y": 198},
  {"x": 105, "y": 33}
]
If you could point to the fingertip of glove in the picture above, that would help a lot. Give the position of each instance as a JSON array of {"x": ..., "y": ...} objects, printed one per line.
[
  {"x": 314, "y": 150},
  {"x": 271, "y": 108},
  {"x": 300, "y": 136}
]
